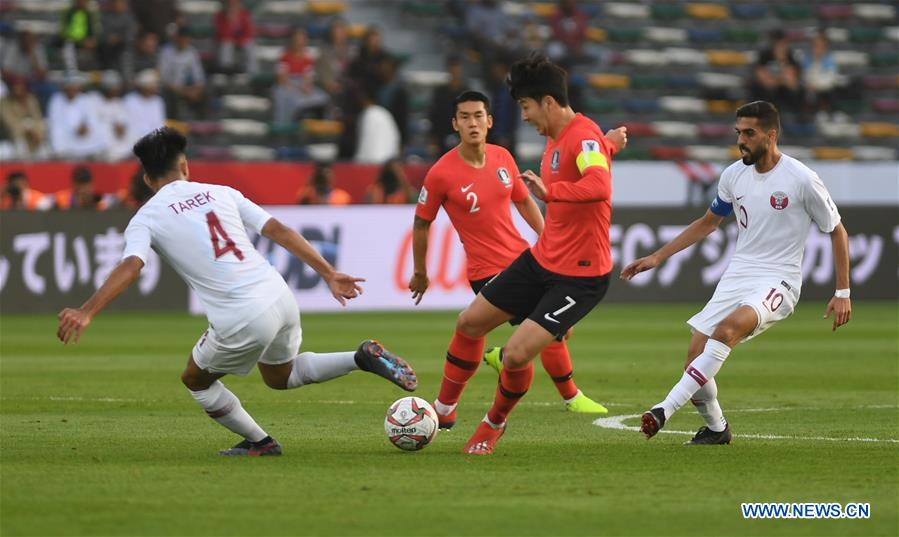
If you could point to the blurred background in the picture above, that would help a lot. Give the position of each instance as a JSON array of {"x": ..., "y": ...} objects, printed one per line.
[{"x": 348, "y": 102}]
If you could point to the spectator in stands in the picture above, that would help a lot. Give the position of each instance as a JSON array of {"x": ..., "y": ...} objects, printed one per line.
[
  {"x": 819, "y": 72},
  {"x": 503, "y": 108},
  {"x": 569, "y": 25},
  {"x": 776, "y": 76},
  {"x": 118, "y": 30},
  {"x": 391, "y": 187},
  {"x": 79, "y": 30},
  {"x": 378, "y": 137},
  {"x": 145, "y": 55},
  {"x": 393, "y": 95},
  {"x": 365, "y": 68},
  {"x": 144, "y": 107},
  {"x": 488, "y": 29},
  {"x": 24, "y": 57},
  {"x": 20, "y": 115},
  {"x": 234, "y": 31},
  {"x": 74, "y": 130},
  {"x": 333, "y": 59},
  {"x": 295, "y": 91},
  {"x": 18, "y": 196},
  {"x": 136, "y": 194},
  {"x": 81, "y": 195},
  {"x": 320, "y": 189},
  {"x": 183, "y": 77},
  {"x": 443, "y": 106},
  {"x": 156, "y": 16},
  {"x": 112, "y": 116}
]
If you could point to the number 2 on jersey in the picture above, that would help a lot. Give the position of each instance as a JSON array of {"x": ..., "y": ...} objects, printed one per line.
[
  {"x": 217, "y": 233},
  {"x": 474, "y": 202}
]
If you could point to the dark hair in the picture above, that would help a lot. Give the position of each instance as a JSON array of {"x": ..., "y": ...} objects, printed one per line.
[
  {"x": 470, "y": 96},
  {"x": 82, "y": 175},
  {"x": 159, "y": 151},
  {"x": 535, "y": 77},
  {"x": 765, "y": 112},
  {"x": 388, "y": 177},
  {"x": 15, "y": 176}
]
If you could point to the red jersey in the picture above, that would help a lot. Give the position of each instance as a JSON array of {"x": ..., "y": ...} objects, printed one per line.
[
  {"x": 576, "y": 169},
  {"x": 477, "y": 203}
]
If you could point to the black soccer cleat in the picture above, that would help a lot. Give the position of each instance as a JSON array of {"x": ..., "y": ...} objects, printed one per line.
[
  {"x": 267, "y": 447},
  {"x": 652, "y": 422},
  {"x": 706, "y": 436},
  {"x": 374, "y": 358}
]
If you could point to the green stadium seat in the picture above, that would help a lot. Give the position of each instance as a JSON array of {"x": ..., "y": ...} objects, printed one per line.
[
  {"x": 424, "y": 8},
  {"x": 850, "y": 106},
  {"x": 667, "y": 11},
  {"x": 867, "y": 34},
  {"x": 742, "y": 34},
  {"x": 647, "y": 81},
  {"x": 793, "y": 11},
  {"x": 884, "y": 58},
  {"x": 597, "y": 105},
  {"x": 202, "y": 31},
  {"x": 624, "y": 35},
  {"x": 284, "y": 129}
]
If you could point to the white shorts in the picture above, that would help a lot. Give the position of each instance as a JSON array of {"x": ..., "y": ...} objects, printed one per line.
[
  {"x": 271, "y": 338},
  {"x": 772, "y": 299}
]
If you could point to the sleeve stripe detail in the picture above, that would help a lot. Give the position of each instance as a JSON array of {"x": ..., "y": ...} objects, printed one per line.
[{"x": 585, "y": 159}]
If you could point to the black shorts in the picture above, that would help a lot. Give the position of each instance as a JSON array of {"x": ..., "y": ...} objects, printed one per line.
[{"x": 526, "y": 290}]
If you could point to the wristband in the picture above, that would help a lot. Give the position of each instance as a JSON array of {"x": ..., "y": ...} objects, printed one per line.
[{"x": 841, "y": 293}]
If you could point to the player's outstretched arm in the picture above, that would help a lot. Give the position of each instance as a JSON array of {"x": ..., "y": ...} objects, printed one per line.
[
  {"x": 840, "y": 305},
  {"x": 529, "y": 210},
  {"x": 419, "y": 282},
  {"x": 695, "y": 232},
  {"x": 72, "y": 321},
  {"x": 343, "y": 286}
]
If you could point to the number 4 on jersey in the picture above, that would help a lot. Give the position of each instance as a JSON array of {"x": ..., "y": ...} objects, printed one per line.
[{"x": 218, "y": 233}]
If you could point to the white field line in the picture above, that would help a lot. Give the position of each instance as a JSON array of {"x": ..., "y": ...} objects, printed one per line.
[{"x": 615, "y": 422}]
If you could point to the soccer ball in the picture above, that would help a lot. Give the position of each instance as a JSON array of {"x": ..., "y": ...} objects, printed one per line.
[{"x": 411, "y": 423}]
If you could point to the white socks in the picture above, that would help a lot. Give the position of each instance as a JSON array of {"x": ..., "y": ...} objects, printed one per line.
[
  {"x": 706, "y": 402},
  {"x": 314, "y": 367},
  {"x": 442, "y": 409},
  {"x": 224, "y": 407},
  {"x": 698, "y": 374}
]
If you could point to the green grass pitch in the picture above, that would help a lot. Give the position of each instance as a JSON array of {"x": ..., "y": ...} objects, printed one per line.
[{"x": 102, "y": 439}]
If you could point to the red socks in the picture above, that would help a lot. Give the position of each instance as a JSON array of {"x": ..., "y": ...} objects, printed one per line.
[
  {"x": 462, "y": 360},
  {"x": 557, "y": 362},
  {"x": 513, "y": 384}
]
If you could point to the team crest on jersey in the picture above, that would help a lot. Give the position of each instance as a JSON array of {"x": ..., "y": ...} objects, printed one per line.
[
  {"x": 504, "y": 177},
  {"x": 554, "y": 161},
  {"x": 423, "y": 195},
  {"x": 590, "y": 146},
  {"x": 779, "y": 200}
]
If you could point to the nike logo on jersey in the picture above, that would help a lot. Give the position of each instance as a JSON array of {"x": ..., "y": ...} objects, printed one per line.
[
  {"x": 740, "y": 197},
  {"x": 467, "y": 188},
  {"x": 552, "y": 317}
]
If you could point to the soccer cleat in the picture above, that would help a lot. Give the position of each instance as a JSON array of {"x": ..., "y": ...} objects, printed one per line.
[
  {"x": 267, "y": 447},
  {"x": 652, "y": 421},
  {"x": 374, "y": 358},
  {"x": 706, "y": 436},
  {"x": 447, "y": 421},
  {"x": 494, "y": 358},
  {"x": 484, "y": 439},
  {"x": 582, "y": 404}
]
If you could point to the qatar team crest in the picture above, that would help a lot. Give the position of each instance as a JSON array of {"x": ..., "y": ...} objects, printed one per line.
[
  {"x": 779, "y": 200},
  {"x": 504, "y": 177},
  {"x": 554, "y": 161}
]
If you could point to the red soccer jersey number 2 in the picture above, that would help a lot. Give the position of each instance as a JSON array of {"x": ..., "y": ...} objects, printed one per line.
[{"x": 218, "y": 234}]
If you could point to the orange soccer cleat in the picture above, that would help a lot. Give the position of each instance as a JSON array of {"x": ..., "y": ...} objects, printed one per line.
[{"x": 484, "y": 439}]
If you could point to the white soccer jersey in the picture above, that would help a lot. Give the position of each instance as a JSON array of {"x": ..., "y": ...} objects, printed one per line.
[
  {"x": 201, "y": 230},
  {"x": 774, "y": 211}
]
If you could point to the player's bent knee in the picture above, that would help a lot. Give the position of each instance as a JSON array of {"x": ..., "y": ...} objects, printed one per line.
[
  {"x": 515, "y": 357},
  {"x": 727, "y": 333},
  {"x": 465, "y": 324}
]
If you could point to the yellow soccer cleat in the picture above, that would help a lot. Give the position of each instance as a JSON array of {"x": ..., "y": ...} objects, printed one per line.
[
  {"x": 494, "y": 358},
  {"x": 584, "y": 405}
]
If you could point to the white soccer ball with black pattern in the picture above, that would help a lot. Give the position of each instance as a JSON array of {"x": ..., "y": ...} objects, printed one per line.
[{"x": 411, "y": 423}]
